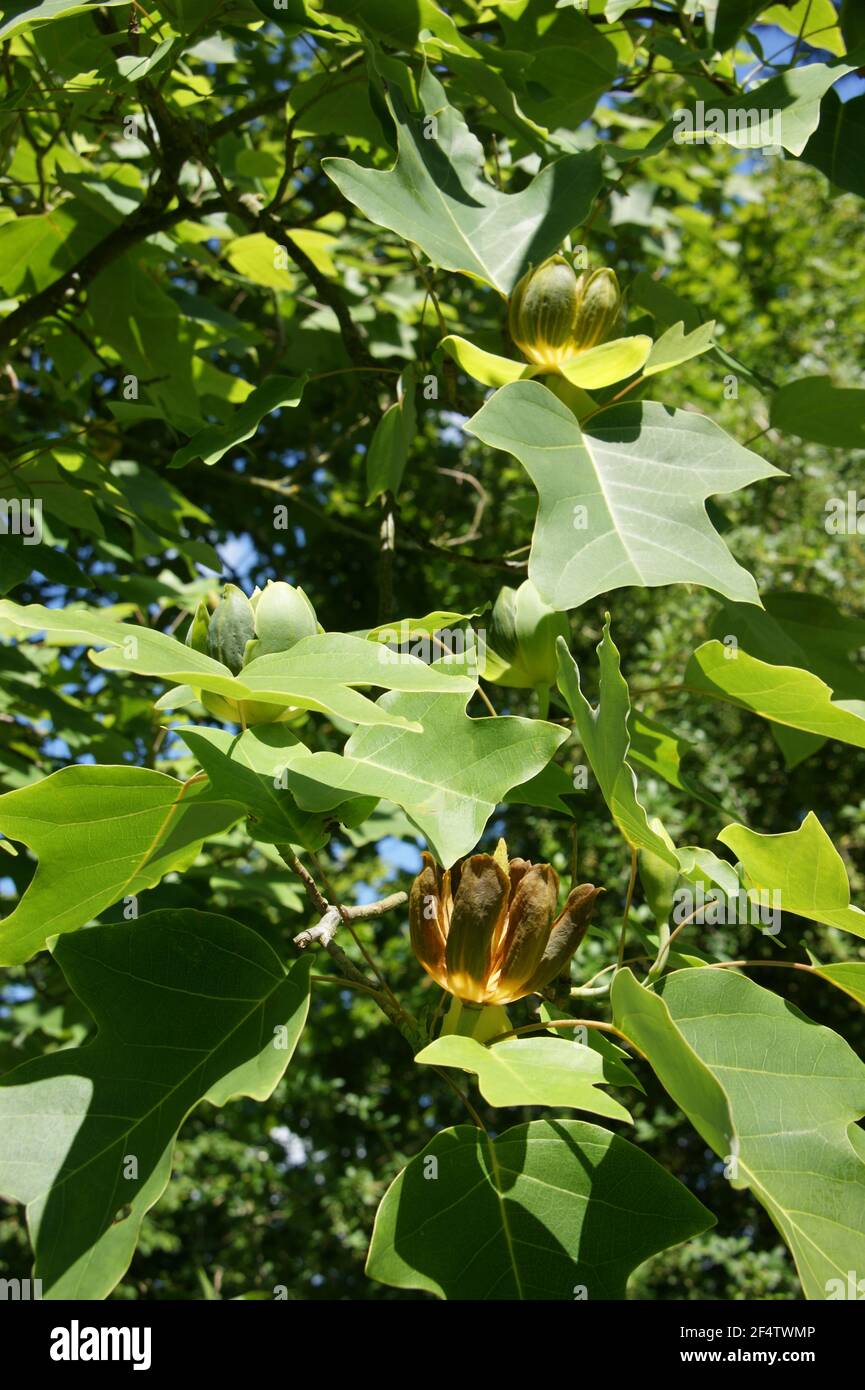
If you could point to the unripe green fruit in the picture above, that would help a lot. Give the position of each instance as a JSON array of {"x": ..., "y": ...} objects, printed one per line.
[{"x": 543, "y": 310}]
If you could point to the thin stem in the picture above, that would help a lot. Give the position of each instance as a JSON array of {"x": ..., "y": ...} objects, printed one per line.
[
  {"x": 345, "y": 984},
  {"x": 568, "y": 1023},
  {"x": 761, "y": 965},
  {"x": 463, "y": 1097}
]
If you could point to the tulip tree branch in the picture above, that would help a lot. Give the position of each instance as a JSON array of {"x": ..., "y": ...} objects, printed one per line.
[
  {"x": 568, "y": 1023},
  {"x": 330, "y": 918}
]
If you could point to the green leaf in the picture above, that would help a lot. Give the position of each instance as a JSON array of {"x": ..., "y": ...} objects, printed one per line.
[
  {"x": 604, "y": 735},
  {"x": 806, "y": 631},
  {"x": 448, "y": 779},
  {"x": 783, "y": 694},
  {"x": 253, "y": 769},
  {"x": 783, "y": 112},
  {"x": 403, "y": 630},
  {"x": 319, "y": 673},
  {"x": 814, "y": 409},
  {"x": 804, "y": 867},
  {"x": 662, "y": 751},
  {"x": 835, "y": 147},
  {"x": 259, "y": 259},
  {"x": 615, "y": 1059},
  {"x": 100, "y": 834},
  {"x": 529, "y": 1071},
  {"x": 44, "y": 13},
  {"x": 621, "y": 501},
  {"x": 676, "y": 346},
  {"x": 800, "y": 629},
  {"x": 848, "y": 976},
  {"x": 774, "y": 1094},
  {"x": 390, "y": 445},
  {"x": 189, "y": 1006},
  {"x": 134, "y": 66},
  {"x": 436, "y": 195},
  {"x": 725, "y": 19},
  {"x": 214, "y": 441},
  {"x": 553, "y": 1209},
  {"x": 37, "y": 247},
  {"x": 665, "y": 306},
  {"x": 812, "y": 21}
]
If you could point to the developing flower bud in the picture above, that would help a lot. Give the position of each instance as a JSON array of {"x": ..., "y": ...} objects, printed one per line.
[
  {"x": 599, "y": 309},
  {"x": 239, "y": 630},
  {"x": 554, "y": 315},
  {"x": 521, "y": 651},
  {"x": 543, "y": 310}
]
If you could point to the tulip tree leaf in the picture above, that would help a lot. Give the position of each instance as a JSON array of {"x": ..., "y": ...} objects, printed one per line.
[
  {"x": 676, "y": 346},
  {"x": 803, "y": 630},
  {"x": 799, "y": 629},
  {"x": 22, "y": 19},
  {"x": 543, "y": 1210},
  {"x": 813, "y": 408},
  {"x": 804, "y": 867},
  {"x": 189, "y": 1007},
  {"x": 606, "y": 742},
  {"x": 783, "y": 112},
  {"x": 253, "y": 769},
  {"x": 784, "y": 694},
  {"x": 529, "y": 1071},
  {"x": 391, "y": 442},
  {"x": 436, "y": 196},
  {"x": 774, "y": 1094},
  {"x": 449, "y": 778},
  {"x": 402, "y": 630},
  {"x": 836, "y": 145},
  {"x": 848, "y": 976},
  {"x": 318, "y": 673},
  {"x": 100, "y": 834},
  {"x": 214, "y": 441},
  {"x": 622, "y": 499},
  {"x": 662, "y": 751}
]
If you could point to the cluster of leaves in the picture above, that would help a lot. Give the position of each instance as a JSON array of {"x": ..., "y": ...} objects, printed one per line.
[{"x": 255, "y": 260}]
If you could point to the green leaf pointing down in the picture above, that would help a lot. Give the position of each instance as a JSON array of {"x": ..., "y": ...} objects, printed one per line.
[
  {"x": 775, "y": 1095},
  {"x": 189, "y": 1007},
  {"x": 542, "y": 1211}
]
